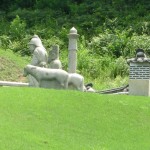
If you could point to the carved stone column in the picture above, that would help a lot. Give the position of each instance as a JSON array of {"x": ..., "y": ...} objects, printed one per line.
[{"x": 73, "y": 36}]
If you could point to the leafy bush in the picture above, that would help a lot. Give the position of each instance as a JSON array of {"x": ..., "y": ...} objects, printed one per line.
[
  {"x": 138, "y": 41},
  {"x": 119, "y": 68},
  {"x": 17, "y": 28},
  {"x": 110, "y": 43},
  {"x": 95, "y": 66},
  {"x": 21, "y": 47},
  {"x": 4, "y": 41},
  {"x": 18, "y": 37}
]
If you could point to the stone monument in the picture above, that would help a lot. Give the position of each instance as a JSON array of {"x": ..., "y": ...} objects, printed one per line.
[
  {"x": 139, "y": 77},
  {"x": 73, "y": 36},
  {"x": 53, "y": 76},
  {"x": 39, "y": 56},
  {"x": 48, "y": 78},
  {"x": 75, "y": 81},
  {"x": 53, "y": 58}
]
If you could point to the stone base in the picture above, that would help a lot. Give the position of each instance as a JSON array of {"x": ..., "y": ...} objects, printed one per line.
[
  {"x": 51, "y": 84},
  {"x": 139, "y": 87}
]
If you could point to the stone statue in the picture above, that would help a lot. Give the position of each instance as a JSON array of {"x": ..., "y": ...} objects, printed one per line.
[
  {"x": 39, "y": 57},
  {"x": 53, "y": 58},
  {"x": 55, "y": 78},
  {"x": 75, "y": 82},
  {"x": 48, "y": 78}
]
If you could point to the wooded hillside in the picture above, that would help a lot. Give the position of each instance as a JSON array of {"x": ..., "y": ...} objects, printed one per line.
[{"x": 110, "y": 30}]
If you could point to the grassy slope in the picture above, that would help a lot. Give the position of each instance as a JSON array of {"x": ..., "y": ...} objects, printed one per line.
[
  {"x": 42, "y": 119},
  {"x": 11, "y": 66}
]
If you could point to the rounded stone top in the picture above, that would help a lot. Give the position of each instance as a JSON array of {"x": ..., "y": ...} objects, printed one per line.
[
  {"x": 73, "y": 30},
  {"x": 35, "y": 41}
]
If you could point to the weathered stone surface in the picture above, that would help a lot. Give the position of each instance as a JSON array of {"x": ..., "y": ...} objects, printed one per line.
[
  {"x": 53, "y": 58},
  {"x": 48, "y": 78},
  {"x": 76, "y": 82},
  {"x": 72, "y": 47},
  {"x": 139, "y": 76},
  {"x": 39, "y": 57},
  {"x": 139, "y": 87},
  {"x": 9, "y": 83},
  {"x": 55, "y": 78}
]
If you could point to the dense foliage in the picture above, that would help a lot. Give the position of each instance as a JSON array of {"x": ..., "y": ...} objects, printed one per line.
[{"x": 110, "y": 30}]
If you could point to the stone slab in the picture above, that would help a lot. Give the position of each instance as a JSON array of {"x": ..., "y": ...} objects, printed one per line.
[
  {"x": 8, "y": 83},
  {"x": 139, "y": 87}
]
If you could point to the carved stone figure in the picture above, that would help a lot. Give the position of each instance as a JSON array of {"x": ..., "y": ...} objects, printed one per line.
[
  {"x": 55, "y": 78},
  {"x": 39, "y": 56},
  {"x": 53, "y": 58},
  {"x": 48, "y": 78},
  {"x": 76, "y": 82}
]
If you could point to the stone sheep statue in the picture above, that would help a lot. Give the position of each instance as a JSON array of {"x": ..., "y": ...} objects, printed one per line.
[{"x": 45, "y": 75}]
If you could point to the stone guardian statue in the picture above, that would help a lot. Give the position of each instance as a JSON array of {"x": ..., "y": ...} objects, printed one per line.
[{"x": 39, "y": 57}]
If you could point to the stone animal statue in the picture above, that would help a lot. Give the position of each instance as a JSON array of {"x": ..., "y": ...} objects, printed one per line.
[
  {"x": 45, "y": 75},
  {"x": 76, "y": 81}
]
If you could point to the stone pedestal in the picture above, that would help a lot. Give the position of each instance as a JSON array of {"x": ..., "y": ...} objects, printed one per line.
[
  {"x": 73, "y": 36},
  {"x": 51, "y": 84},
  {"x": 139, "y": 87}
]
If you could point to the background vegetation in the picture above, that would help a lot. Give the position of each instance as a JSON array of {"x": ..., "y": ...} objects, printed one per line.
[{"x": 110, "y": 31}]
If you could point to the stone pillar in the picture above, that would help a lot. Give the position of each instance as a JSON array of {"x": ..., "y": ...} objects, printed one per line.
[
  {"x": 139, "y": 80},
  {"x": 73, "y": 36}
]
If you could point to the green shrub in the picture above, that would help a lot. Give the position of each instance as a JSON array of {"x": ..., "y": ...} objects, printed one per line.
[
  {"x": 21, "y": 47},
  {"x": 5, "y": 41},
  {"x": 17, "y": 29},
  {"x": 138, "y": 41},
  {"x": 119, "y": 68},
  {"x": 95, "y": 66},
  {"x": 110, "y": 43}
]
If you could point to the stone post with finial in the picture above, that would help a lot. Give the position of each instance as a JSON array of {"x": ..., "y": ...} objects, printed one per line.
[{"x": 73, "y": 36}]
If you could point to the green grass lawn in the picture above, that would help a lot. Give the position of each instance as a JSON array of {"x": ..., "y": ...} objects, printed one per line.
[{"x": 43, "y": 119}]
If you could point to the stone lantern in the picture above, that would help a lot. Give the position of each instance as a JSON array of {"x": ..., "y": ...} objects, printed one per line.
[
  {"x": 139, "y": 78},
  {"x": 73, "y": 36}
]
